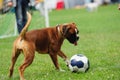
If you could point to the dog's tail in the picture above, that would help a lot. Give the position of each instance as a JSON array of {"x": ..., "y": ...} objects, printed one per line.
[{"x": 24, "y": 30}]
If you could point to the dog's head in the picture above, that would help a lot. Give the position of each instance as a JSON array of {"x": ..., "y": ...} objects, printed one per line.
[{"x": 70, "y": 32}]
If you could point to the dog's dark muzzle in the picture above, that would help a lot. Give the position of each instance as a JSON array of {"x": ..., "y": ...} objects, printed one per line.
[{"x": 73, "y": 38}]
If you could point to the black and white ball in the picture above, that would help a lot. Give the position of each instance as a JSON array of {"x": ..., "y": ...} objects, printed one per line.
[{"x": 79, "y": 63}]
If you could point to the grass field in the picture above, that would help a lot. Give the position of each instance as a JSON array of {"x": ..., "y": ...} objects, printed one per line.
[{"x": 99, "y": 41}]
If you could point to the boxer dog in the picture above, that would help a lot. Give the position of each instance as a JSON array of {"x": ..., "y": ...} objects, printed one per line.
[{"x": 47, "y": 40}]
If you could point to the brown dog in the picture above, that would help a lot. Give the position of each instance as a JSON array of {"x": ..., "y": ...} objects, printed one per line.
[{"x": 47, "y": 40}]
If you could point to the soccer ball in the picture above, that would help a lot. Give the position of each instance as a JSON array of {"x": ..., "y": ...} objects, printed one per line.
[{"x": 79, "y": 63}]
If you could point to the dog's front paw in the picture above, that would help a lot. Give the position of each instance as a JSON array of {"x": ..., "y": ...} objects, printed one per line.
[
  {"x": 22, "y": 79},
  {"x": 67, "y": 62},
  {"x": 61, "y": 70}
]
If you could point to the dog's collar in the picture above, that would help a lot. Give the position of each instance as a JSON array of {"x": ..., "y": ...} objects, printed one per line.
[{"x": 59, "y": 31}]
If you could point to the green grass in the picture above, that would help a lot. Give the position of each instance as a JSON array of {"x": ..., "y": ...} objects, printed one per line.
[
  {"x": 99, "y": 41},
  {"x": 7, "y": 20}
]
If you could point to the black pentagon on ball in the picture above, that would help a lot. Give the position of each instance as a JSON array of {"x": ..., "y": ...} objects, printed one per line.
[{"x": 79, "y": 64}]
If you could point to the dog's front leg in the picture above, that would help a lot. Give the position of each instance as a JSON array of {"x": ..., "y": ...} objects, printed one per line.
[
  {"x": 62, "y": 55},
  {"x": 55, "y": 60}
]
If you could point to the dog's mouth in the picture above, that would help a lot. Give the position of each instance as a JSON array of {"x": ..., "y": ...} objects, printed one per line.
[
  {"x": 77, "y": 38},
  {"x": 75, "y": 43}
]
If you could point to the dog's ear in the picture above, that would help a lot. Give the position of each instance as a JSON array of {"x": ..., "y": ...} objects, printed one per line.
[
  {"x": 65, "y": 29},
  {"x": 73, "y": 24}
]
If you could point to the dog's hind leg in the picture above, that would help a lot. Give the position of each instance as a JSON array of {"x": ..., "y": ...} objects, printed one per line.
[
  {"x": 28, "y": 59},
  {"x": 15, "y": 55}
]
